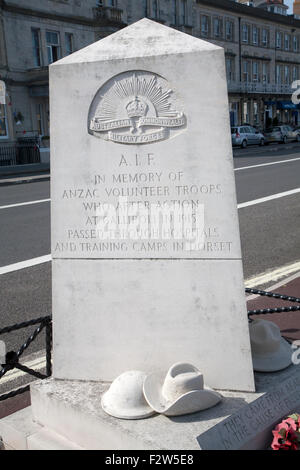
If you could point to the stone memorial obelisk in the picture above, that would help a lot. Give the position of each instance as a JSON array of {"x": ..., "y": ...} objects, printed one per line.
[{"x": 140, "y": 126}]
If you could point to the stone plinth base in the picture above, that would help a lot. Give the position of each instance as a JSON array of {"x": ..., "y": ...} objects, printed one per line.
[{"x": 68, "y": 415}]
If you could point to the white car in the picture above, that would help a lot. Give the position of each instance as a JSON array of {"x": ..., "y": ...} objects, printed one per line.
[
  {"x": 282, "y": 134},
  {"x": 246, "y": 135}
]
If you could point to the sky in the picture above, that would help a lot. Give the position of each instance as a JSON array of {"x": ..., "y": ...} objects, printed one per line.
[{"x": 290, "y": 4}]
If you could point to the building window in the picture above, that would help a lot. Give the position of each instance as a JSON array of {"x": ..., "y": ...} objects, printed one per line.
[
  {"x": 265, "y": 37},
  {"x": 229, "y": 30},
  {"x": 155, "y": 9},
  {"x": 255, "y": 35},
  {"x": 265, "y": 73},
  {"x": 69, "y": 43},
  {"x": 246, "y": 68},
  {"x": 277, "y": 9},
  {"x": 246, "y": 112},
  {"x": 287, "y": 42},
  {"x": 111, "y": 3},
  {"x": 174, "y": 12},
  {"x": 286, "y": 75},
  {"x": 183, "y": 12},
  {"x": 234, "y": 112},
  {"x": 255, "y": 113},
  {"x": 39, "y": 118},
  {"x": 53, "y": 46},
  {"x": 296, "y": 44},
  {"x": 36, "y": 43},
  {"x": 278, "y": 40},
  {"x": 230, "y": 69},
  {"x": 245, "y": 33},
  {"x": 217, "y": 27},
  {"x": 295, "y": 73},
  {"x": 3, "y": 122},
  {"x": 278, "y": 74},
  {"x": 255, "y": 76},
  {"x": 204, "y": 26}
]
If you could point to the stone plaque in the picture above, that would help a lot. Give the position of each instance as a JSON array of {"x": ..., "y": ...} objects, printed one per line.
[
  {"x": 135, "y": 107},
  {"x": 251, "y": 427},
  {"x": 144, "y": 218}
]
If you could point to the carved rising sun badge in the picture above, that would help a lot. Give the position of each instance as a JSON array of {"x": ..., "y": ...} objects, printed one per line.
[{"x": 136, "y": 108}]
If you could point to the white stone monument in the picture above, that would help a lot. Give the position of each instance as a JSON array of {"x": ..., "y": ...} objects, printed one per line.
[{"x": 142, "y": 117}]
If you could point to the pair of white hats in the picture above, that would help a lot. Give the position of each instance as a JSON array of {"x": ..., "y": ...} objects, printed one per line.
[
  {"x": 134, "y": 395},
  {"x": 270, "y": 351}
]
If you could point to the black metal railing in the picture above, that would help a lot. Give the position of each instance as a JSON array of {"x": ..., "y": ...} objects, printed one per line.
[
  {"x": 8, "y": 154},
  {"x": 12, "y": 357},
  {"x": 19, "y": 153},
  {"x": 287, "y": 298}
]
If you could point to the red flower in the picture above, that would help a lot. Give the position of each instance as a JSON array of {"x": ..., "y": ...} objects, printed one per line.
[
  {"x": 286, "y": 435},
  {"x": 289, "y": 423}
]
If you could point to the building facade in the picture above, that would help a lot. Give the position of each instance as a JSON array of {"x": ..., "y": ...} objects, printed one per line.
[
  {"x": 262, "y": 59},
  {"x": 32, "y": 36},
  {"x": 273, "y": 6},
  {"x": 296, "y": 9},
  {"x": 262, "y": 51}
]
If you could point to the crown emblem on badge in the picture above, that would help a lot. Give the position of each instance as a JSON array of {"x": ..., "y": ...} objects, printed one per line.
[{"x": 136, "y": 108}]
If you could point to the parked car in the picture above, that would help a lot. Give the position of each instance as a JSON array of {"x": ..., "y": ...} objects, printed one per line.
[
  {"x": 246, "y": 135},
  {"x": 297, "y": 129},
  {"x": 281, "y": 134}
]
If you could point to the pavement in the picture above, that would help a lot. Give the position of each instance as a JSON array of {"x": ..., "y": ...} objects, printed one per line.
[
  {"x": 24, "y": 173},
  {"x": 11, "y": 405},
  {"x": 24, "y": 179}
]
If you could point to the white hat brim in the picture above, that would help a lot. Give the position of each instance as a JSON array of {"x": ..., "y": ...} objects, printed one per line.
[
  {"x": 113, "y": 410},
  {"x": 190, "y": 402},
  {"x": 273, "y": 362}
]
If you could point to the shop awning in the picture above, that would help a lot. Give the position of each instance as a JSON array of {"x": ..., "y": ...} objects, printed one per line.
[{"x": 287, "y": 105}]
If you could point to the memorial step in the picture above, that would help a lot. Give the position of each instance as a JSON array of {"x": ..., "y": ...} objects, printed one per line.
[
  {"x": 68, "y": 415},
  {"x": 19, "y": 432},
  {"x": 49, "y": 440},
  {"x": 16, "y": 428},
  {"x": 241, "y": 421}
]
